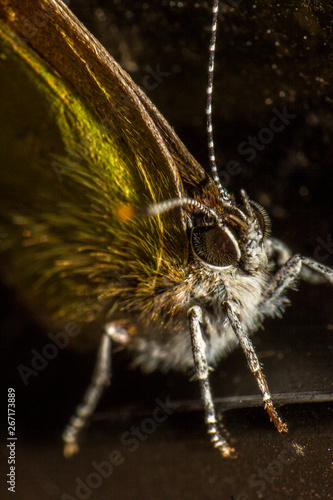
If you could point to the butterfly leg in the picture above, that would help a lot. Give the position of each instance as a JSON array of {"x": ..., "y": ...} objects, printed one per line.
[
  {"x": 285, "y": 278},
  {"x": 100, "y": 379},
  {"x": 202, "y": 372},
  {"x": 253, "y": 363},
  {"x": 281, "y": 253}
]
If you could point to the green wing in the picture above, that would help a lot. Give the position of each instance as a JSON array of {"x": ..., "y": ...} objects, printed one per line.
[{"x": 76, "y": 146}]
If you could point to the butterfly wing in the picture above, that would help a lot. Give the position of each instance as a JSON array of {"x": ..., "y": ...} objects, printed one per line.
[
  {"x": 79, "y": 144},
  {"x": 193, "y": 176}
]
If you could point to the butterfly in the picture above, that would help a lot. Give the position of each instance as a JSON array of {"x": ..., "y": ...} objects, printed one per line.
[{"x": 112, "y": 226}]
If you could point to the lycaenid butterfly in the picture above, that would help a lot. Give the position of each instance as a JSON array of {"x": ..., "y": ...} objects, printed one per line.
[{"x": 124, "y": 233}]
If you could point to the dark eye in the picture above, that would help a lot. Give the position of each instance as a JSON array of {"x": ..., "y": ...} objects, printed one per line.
[{"x": 215, "y": 246}]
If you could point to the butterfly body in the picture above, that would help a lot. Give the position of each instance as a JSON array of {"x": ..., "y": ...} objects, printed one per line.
[{"x": 160, "y": 336}]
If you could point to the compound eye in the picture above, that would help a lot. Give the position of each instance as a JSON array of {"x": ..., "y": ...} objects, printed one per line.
[{"x": 214, "y": 246}]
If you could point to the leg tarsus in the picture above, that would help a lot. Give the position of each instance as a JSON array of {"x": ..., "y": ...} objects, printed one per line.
[{"x": 324, "y": 271}]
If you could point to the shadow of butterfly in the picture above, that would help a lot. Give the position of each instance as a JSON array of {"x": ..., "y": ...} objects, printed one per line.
[{"x": 113, "y": 229}]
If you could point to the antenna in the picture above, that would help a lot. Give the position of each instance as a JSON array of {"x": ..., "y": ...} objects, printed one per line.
[
  {"x": 211, "y": 147},
  {"x": 167, "y": 205}
]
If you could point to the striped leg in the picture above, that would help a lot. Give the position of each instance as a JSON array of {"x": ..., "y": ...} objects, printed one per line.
[
  {"x": 285, "y": 279},
  {"x": 281, "y": 253},
  {"x": 100, "y": 379},
  {"x": 254, "y": 364},
  {"x": 202, "y": 372}
]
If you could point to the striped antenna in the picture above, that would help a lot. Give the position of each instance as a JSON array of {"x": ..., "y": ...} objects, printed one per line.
[
  {"x": 167, "y": 205},
  {"x": 211, "y": 148}
]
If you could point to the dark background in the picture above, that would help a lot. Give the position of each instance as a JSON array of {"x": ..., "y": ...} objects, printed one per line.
[{"x": 268, "y": 55}]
